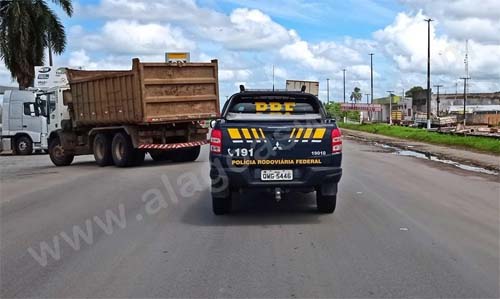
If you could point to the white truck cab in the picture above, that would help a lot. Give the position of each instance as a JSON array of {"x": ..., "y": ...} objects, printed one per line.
[
  {"x": 57, "y": 112},
  {"x": 24, "y": 122}
]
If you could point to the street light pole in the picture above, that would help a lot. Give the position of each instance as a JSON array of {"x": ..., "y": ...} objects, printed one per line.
[
  {"x": 328, "y": 90},
  {"x": 437, "y": 99},
  {"x": 371, "y": 76},
  {"x": 390, "y": 105},
  {"x": 429, "y": 72}
]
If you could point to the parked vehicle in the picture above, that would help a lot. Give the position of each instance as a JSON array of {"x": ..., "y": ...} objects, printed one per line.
[
  {"x": 24, "y": 122},
  {"x": 119, "y": 116},
  {"x": 277, "y": 141}
]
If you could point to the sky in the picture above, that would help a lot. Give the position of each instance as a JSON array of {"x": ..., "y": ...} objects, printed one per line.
[{"x": 303, "y": 39}]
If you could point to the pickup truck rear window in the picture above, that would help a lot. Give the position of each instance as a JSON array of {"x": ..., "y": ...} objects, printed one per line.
[{"x": 272, "y": 107}]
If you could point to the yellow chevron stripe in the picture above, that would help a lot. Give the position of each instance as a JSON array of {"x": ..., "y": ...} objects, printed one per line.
[
  {"x": 262, "y": 133},
  {"x": 299, "y": 133},
  {"x": 308, "y": 133},
  {"x": 234, "y": 133},
  {"x": 255, "y": 134},
  {"x": 319, "y": 133},
  {"x": 291, "y": 134},
  {"x": 246, "y": 133}
]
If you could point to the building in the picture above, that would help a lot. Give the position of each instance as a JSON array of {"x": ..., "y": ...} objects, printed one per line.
[
  {"x": 456, "y": 99},
  {"x": 404, "y": 105}
]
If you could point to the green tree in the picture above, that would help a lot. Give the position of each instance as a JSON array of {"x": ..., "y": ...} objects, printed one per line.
[
  {"x": 335, "y": 112},
  {"x": 414, "y": 89},
  {"x": 27, "y": 28}
]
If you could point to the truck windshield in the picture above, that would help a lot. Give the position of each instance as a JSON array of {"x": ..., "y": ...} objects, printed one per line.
[{"x": 273, "y": 108}]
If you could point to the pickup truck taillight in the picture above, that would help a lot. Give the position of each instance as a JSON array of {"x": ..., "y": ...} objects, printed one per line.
[
  {"x": 336, "y": 141},
  {"x": 216, "y": 141}
]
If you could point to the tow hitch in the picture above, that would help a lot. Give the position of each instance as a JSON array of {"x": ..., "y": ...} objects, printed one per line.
[{"x": 277, "y": 194}]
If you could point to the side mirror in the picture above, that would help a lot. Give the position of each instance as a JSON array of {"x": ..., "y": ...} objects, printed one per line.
[{"x": 213, "y": 122}]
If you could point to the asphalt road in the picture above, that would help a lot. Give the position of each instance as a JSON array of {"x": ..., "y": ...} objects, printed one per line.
[{"x": 403, "y": 227}]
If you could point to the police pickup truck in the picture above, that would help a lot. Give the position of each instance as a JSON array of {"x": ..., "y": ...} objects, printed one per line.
[{"x": 277, "y": 141}]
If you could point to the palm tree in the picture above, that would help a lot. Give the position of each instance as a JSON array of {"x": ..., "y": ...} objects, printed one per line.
[{"x": 27, "y": 28}]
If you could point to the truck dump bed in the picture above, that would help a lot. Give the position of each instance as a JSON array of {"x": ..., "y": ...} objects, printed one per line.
[{"x": 149, "y": 93}]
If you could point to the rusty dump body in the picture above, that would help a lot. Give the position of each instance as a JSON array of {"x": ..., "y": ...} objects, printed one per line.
[{"x": 149, "y": 93}]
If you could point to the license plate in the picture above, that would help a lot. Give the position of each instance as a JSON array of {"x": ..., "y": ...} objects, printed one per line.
[{"x": 276, "y": 175}]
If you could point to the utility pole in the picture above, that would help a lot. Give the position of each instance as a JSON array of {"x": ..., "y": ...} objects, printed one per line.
[
  {"x": 371, "y": 83},
  {"x": 367, "y": 99},
  {"x": 328, "y": 90},
  {"x": 344, "y": 84},
  {"x": 429, "y": 72},
  {"x": 390, "y": 105},
  {"x": 465, "y": 100},
  {"x": 437, "y": 99},
  {"x": 371, "y": 76}
]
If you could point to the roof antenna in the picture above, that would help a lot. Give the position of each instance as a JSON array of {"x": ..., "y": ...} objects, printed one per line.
[
  {"x": 242, "y": 88},
  {"x": 273, "y": 77},
  {"x": 303, "y": 89}
]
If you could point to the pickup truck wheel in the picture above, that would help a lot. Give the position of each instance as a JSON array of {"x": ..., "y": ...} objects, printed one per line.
[
  {"x": 24, "y": 146},
  {"x": 123, "y": 152},
  {"x": 221, "y": 205},
  {"x": 186, "y": 155},
  {"x": 58, "y": 155},
  {"x": 102, "y": 150},
  {"x": 326, "y": 203}
]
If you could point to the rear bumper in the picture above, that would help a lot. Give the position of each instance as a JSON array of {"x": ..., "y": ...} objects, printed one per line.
[{"x": 304, "y": 177}]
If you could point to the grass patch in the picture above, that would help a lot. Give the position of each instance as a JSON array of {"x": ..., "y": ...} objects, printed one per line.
[{"x": 485, "y": 144}]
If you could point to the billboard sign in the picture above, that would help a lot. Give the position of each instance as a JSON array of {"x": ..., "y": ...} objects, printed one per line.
[
  {"x": 360, "y": 107},
  {"x": 49, "y": 76},
  {"x": 174, "y": 57}
]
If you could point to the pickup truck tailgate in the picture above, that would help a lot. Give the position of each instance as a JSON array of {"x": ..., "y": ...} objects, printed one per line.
[{"x": 278, "y": 141}]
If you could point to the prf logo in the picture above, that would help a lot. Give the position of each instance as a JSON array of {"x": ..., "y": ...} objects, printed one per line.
[{"x": 274, "y": 107}]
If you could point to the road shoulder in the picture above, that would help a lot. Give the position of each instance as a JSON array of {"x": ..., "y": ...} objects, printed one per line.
[{"x": 487, "y": 161}]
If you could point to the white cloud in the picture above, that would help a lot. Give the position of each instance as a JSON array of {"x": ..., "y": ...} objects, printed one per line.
[
  {"x": 132, "y": 37},
  {"x": 405, "y": 41},
  {"x": 248, "y": 29},
  {"x": 185, "y": 11},
  {"x": 464, "y": 19}
]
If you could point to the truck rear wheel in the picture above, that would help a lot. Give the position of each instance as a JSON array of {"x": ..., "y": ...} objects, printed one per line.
[
  {"x": 24, "y": 146},
  {"x": 58, "y": 155},
  {"x": 186, "y": 155},
  {"x": 102, "y": 150},
  {"x": 326, "y": 203},
  {"x": 122, "y": 150}
]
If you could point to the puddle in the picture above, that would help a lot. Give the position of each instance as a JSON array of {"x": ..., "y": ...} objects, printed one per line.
[{"x": 409, "y": 153}]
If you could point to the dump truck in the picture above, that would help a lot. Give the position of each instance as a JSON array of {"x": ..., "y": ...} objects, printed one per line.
[{"x": 119, "y": 116}]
